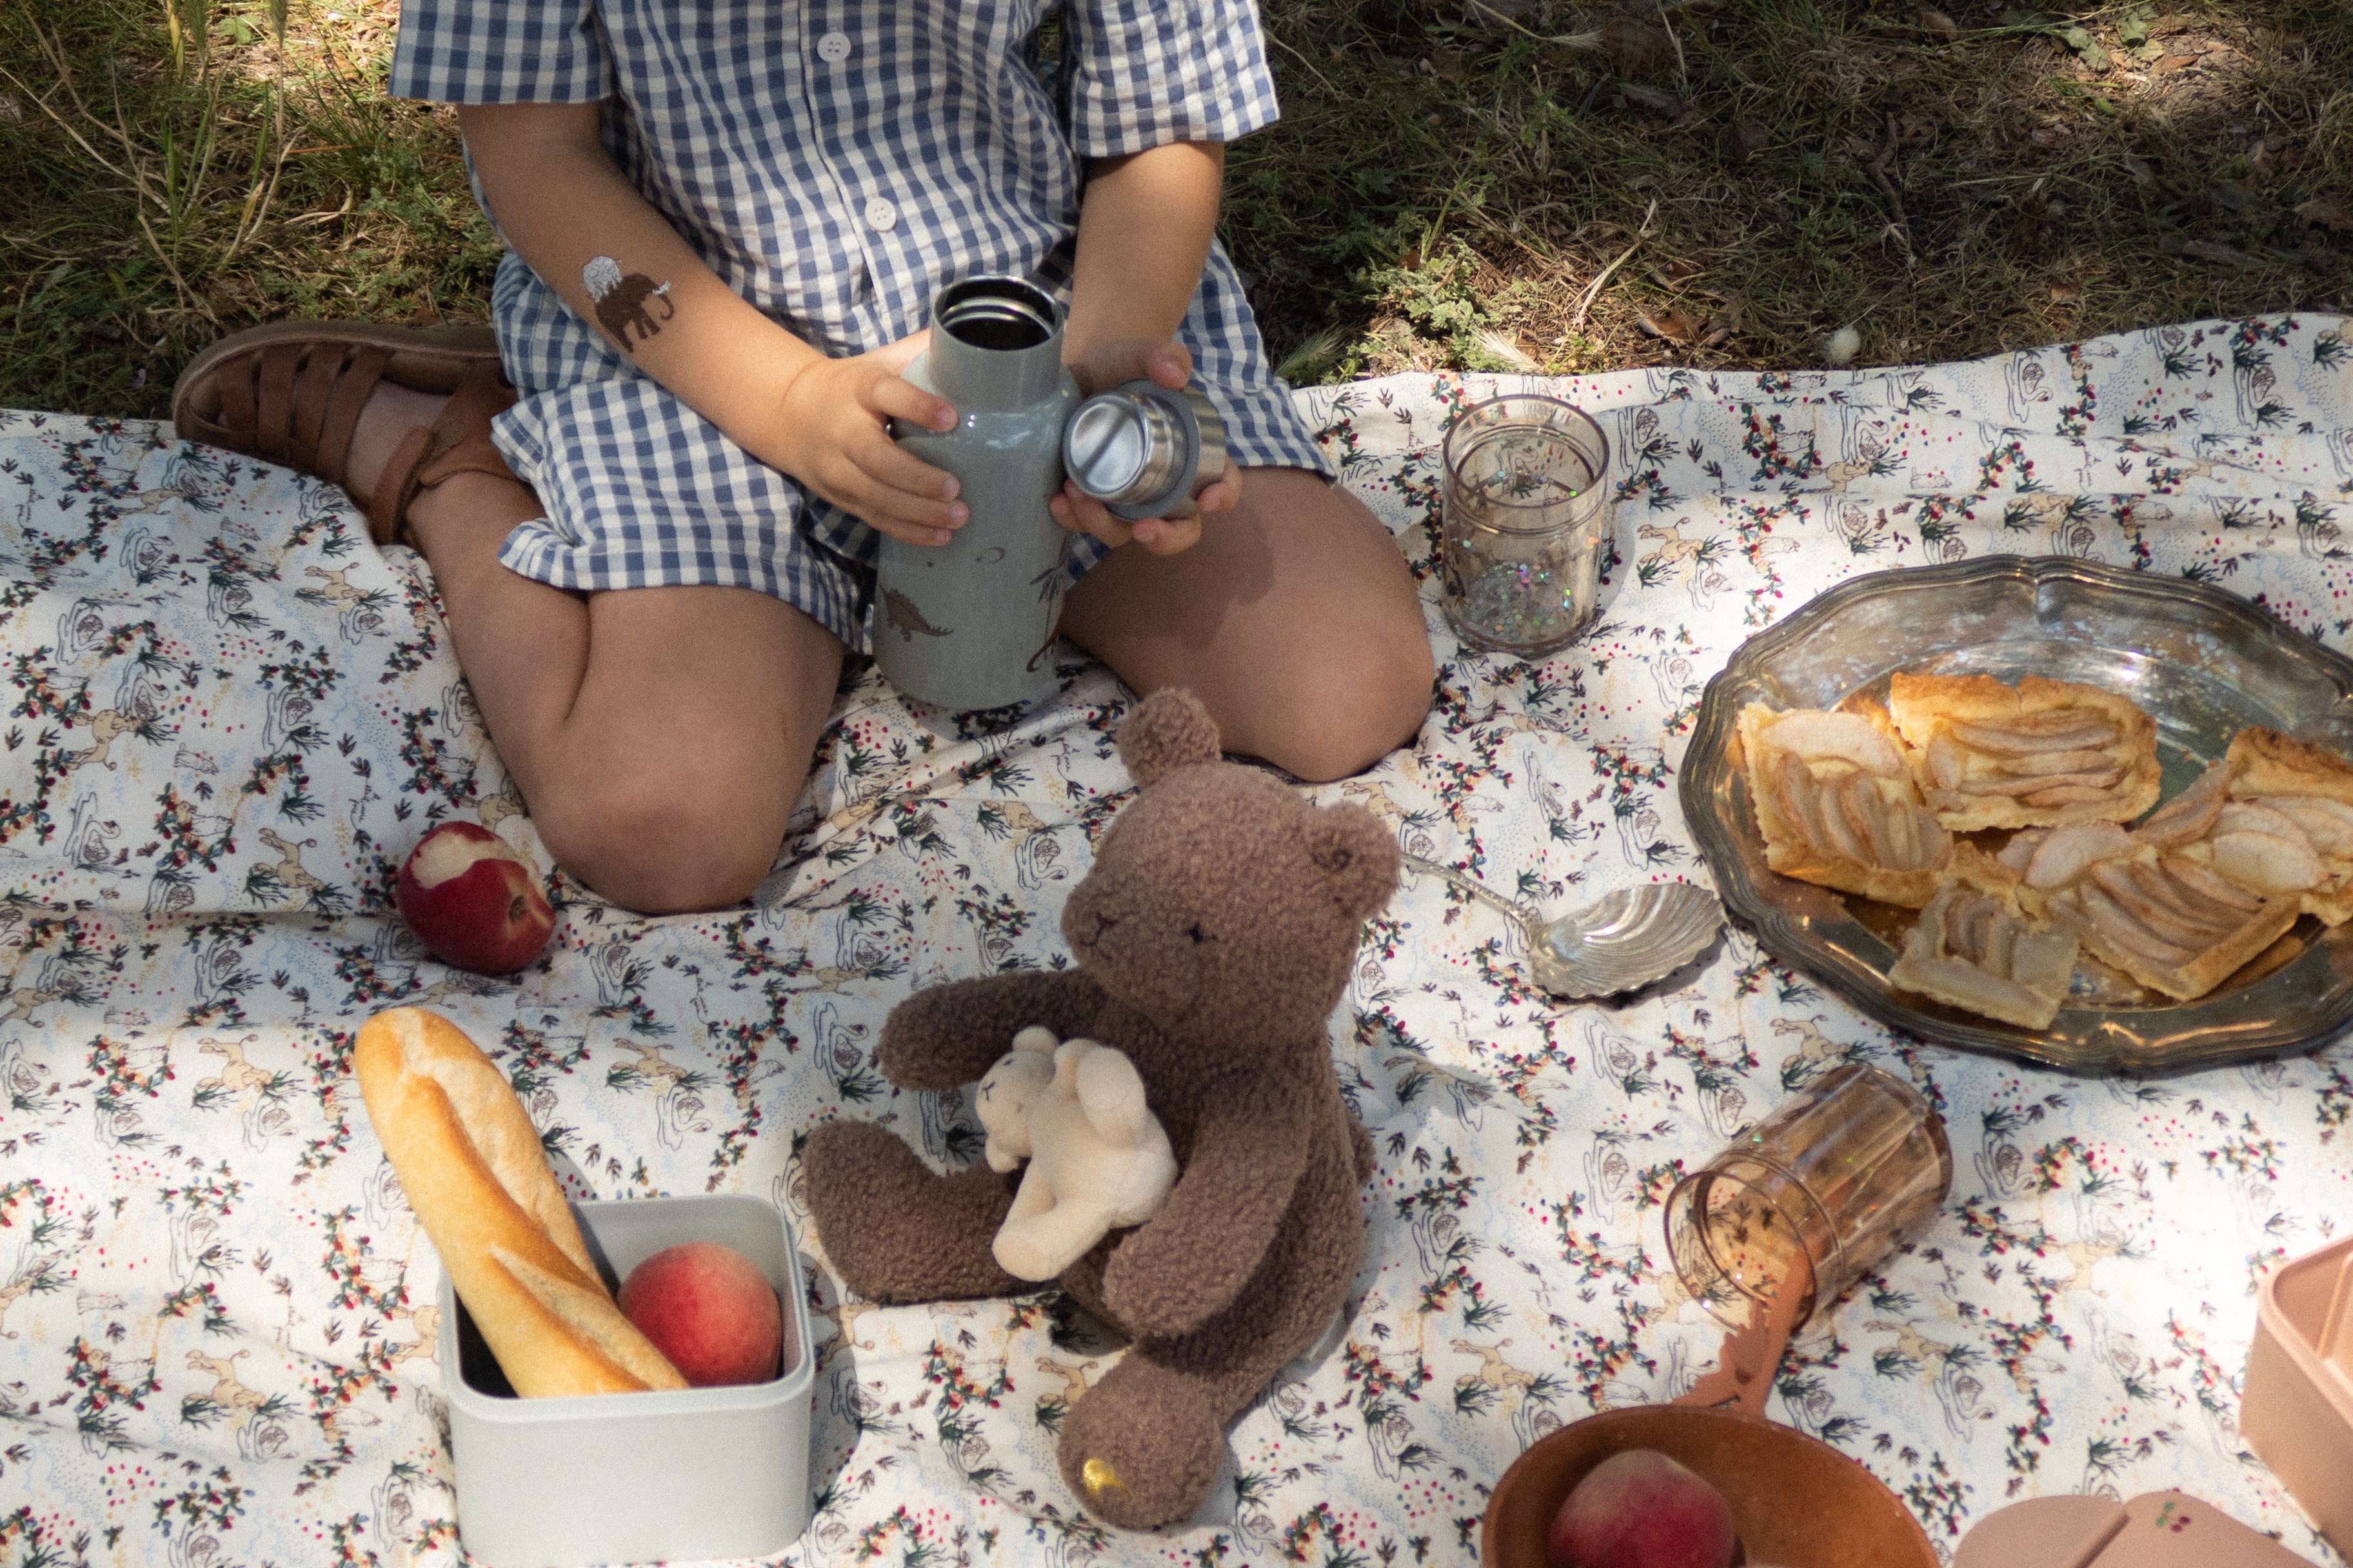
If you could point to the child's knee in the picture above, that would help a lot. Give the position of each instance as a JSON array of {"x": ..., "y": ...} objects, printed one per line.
[
  {"x": 668, "y": 836},
  {"x": 1356, "y": 707}
]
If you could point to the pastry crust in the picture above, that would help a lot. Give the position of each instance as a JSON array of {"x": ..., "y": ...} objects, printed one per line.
[
  {"x": 1878, "y": 842},
  {"x": 1975, "y": 949},
  {"x": 2168, "y": 920},
  {"x": 2266, "y": 766},
  {"x": 2041, "y": 754}
]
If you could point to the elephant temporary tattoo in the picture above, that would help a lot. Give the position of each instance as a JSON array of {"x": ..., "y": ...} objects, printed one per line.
[{"x": 621, "y": 300}]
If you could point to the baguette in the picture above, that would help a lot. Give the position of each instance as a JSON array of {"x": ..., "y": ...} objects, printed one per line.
[{"x": 472, "y": 1164}]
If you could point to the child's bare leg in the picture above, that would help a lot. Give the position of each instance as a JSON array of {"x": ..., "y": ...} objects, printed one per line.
[
  {"x": 661, "y": 735},
  {"x": 1294, "y": 620}
]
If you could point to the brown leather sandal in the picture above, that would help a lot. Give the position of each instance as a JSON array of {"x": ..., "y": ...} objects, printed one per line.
[{"x": 292, "y": 392}]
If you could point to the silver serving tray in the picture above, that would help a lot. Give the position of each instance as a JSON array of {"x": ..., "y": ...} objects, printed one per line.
[{"x": 2201, "y": 662}]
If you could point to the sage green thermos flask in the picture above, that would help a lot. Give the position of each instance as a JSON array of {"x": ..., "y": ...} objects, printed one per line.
[{"x": 970, "y": 624}]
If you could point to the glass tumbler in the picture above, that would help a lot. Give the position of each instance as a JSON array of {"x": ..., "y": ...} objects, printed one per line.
[
  {"x": 1812, "y": 1196},
  {"x": 1523, "y": 522}
]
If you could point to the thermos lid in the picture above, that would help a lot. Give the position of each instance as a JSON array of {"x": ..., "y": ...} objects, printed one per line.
[{"x": 1144, "y": 450}]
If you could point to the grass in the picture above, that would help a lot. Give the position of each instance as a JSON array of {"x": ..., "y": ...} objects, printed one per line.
[{"x": 1480, "y": 183}]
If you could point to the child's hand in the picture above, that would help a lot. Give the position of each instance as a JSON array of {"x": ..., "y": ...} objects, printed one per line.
[
  {"x": 832, "y": 437},
  {"x": 1166, "y": 361}
]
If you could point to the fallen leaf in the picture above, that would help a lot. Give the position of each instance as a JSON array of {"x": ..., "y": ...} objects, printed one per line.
[
  {"x": 1936, "y": 22},
  {"x": 1723, "y": 324},
  {"x": 2066, "y": 294},
  {"x": 1678, "y": 327},
  {"x": 2086, "y": 47},
  {"x": 1676, "y": 270},
  {"x": 2132, "y": 27},
  {"x": 1634, "y": 47},
  {"x": 1744, "y": 139},
  {"x": 2206, "y": 250},
  {"x": 2325, "y": 211},
  {"x": 2232, "y": 196},
  {"x": 1665, "y": 105},
  {"x": 2171, "y": 64},
  {"x": 2320, "y": 258}
]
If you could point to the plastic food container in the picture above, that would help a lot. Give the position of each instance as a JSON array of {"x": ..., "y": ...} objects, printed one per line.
[
  {"x": 2297, "y": 1411},
  {"x": 679, "y": 1474}
]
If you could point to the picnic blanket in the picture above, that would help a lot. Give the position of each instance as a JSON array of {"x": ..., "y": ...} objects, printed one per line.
[{"x": 226, "y": 717}]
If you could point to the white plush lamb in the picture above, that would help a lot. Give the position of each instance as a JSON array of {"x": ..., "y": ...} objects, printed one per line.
[{"x": 1098, "y": 1157}]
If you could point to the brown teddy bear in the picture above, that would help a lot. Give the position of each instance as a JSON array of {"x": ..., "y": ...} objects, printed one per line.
[{"x": 1213, "y": 938}]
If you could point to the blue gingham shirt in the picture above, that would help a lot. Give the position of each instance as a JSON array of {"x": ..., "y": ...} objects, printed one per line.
[{"x": 837, "y": 164}]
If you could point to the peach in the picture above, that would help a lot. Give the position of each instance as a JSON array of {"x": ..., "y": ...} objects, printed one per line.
[
  {"x": 1639, "y": 1509},
  {"x": 709, "y": 1310},
  {"x": 473, "y": 902}
]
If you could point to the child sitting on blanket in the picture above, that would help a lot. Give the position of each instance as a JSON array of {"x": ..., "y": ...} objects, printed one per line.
[{"x": 728, "y": 221}]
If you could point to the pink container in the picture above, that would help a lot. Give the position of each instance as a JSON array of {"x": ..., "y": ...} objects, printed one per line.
[{"x": 2297, "y": 1411}]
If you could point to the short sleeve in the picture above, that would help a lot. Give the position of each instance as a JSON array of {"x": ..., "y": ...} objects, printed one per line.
[
  {"x": 499, "y": 51},
  {"x": 1142, "y": 73}
]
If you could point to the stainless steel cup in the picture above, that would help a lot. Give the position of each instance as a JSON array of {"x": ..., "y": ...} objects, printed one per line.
[{"x": 1144, "y": 450}]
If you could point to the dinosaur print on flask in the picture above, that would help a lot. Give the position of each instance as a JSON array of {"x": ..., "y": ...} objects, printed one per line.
[{"x": 906, "y": 619}]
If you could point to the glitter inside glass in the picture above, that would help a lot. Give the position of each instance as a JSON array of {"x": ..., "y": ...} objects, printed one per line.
[{"x": 1524, "y": 524}]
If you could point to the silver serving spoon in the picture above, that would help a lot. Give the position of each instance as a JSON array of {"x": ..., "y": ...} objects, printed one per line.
[{"x": 1621, "y": 942}]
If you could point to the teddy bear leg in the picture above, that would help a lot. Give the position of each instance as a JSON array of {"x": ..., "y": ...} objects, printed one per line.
[
  {"x": 1142, "y": 1447},
  {"x": 1042, "y": 1238},
  {"x": 897, "y": 1231}
]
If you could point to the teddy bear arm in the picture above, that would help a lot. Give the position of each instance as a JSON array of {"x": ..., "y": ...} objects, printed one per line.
[
  {"x": 948, "y": 1034},
  {"x": 1186, "y": 1263}
]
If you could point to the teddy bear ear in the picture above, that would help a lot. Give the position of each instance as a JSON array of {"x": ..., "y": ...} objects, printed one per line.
[
  {"x": 1358, "y": 855},
  {"x": 1170, "y": 729}
]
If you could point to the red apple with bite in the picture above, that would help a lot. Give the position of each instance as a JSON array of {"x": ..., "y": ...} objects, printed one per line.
[
  {"x": 709, "y": 1310},
  {"x": 473, "y": 902},
  {"x": 1639, "y": 1509}
]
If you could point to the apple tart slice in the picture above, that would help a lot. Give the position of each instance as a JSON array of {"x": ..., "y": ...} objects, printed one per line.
[
  {"x": 1836, "y": 805},
  {"x": 2168, "y": 919},
  {"x": 2039, "y": 754},
  {"x": 2286, "y": 799},
  {"x": 1973, "y": 947}
]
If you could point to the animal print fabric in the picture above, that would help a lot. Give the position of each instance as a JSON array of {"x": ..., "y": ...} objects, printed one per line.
[{"x": 228, "y": 717}]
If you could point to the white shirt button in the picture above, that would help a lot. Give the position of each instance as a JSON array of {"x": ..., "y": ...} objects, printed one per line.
[
  {"x": 833, "y": 49},
  {"x": 882, "y": 214}
]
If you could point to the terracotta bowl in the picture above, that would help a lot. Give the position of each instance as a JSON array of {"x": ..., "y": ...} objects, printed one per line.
[{"x": 1796, "y": 1501}]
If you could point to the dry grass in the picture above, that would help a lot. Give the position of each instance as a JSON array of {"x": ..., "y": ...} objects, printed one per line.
[
  {"x": 1445, "y": 187},
  {"x": 1483, "y": 182},
  {"x": 170, "y": 172}
]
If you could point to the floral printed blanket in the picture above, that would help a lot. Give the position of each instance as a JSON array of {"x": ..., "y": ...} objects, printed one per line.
[{"x": 225, "y": 717}]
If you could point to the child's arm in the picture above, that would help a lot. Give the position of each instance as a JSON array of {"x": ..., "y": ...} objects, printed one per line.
[
  {"x": 568, "y": 212},
  {"x": 1145, "y": 225}
]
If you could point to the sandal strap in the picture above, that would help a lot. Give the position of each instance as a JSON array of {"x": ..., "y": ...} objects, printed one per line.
[
  {"x": 459, "y": 442},
  {"x": 302, "y": 402}
]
